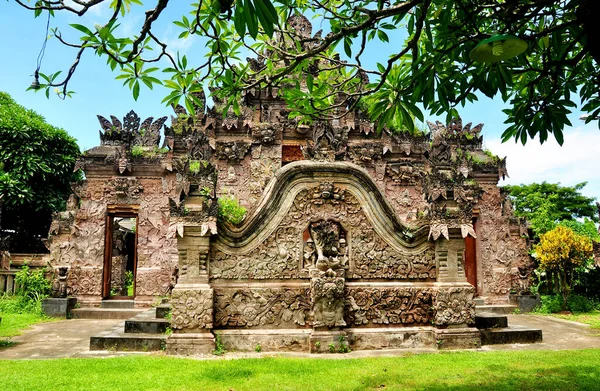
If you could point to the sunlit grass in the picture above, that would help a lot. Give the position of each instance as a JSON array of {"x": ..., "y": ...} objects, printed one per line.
[
  {"x": 519, "y": 370},
  {"x": 592, "y": 318}
]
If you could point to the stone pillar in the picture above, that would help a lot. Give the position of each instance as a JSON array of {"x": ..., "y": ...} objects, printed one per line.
[
  {"x": 453, "y": 300},
  {"x": 192, "y": 297},
  {"x": 449, "y": 257}
]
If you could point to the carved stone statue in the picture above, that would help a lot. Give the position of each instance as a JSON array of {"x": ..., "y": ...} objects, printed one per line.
[
  {"x": 328, "y": 294},
  {"x": 59, "y": 285}
]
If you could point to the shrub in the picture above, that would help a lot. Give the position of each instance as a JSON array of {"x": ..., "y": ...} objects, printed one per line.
[
  {"x": 553, "y": 304},
  {"x": 578, "y": 303},
  {"x": 33, "y": 284},
  {"x": 230, "y": 211}
]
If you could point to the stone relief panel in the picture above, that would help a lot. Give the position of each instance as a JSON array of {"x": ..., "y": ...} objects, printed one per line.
[
  {"x": 192, "y": 309},
  {"x": 153, "y": 282},
  {"x": 501, "y": 254},
  {"x": 283, "y": 253},
  {"x": 84, "y": 281},
  {"x": 277, "y": 257},
  {"x": 388, "y": 306},
  {"x": 454, "y": 306},
  {"x": 262, "y": 307}
]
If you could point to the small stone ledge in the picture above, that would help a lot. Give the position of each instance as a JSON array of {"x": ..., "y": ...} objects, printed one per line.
[
  {"x": 190, "y": 344},
  {"x": 458, "y": 338},
  {"x": 269, "y": 340}
]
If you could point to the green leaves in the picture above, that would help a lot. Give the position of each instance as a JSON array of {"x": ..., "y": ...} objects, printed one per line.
[
  {"x": 249, "y": 13},
  {"x": 133, "y": 74}
]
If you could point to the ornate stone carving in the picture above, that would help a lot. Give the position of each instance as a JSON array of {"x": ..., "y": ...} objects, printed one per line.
[
  {"x": 59, "y": 285},
  {"x": 192, "y": 309},
  {"x": 232, "y": 151},
  {"x": 328, "y": 142},
  {"x": 389, "y": 306},
  {"x": 264, "y": 133},
  {"x": 327, "y": 292},
  {"x": 283, "y": 253},
  {"x": 129, "y": 132},
  {"x": 262, "y": 307},
  {"x": 366, "y": 153},
  {"x": 403, "y": 173},
  {"x": 123, "y": 187},
  {"x": 454, "y": 306}
]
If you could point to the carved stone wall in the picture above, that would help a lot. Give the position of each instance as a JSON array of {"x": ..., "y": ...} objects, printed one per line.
[
  {"x": 501, "y": 250},
  {"x": 454, "y": 306},
  {"x": 393, "y": 306},
  {"x": 281, "y": 255},
  {"x": 262, "y": 307}
]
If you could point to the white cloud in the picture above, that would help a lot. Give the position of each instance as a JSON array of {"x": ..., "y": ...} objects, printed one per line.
[
  {"x": 578, "y": 160},
  {"x": 176, "y": 44}
]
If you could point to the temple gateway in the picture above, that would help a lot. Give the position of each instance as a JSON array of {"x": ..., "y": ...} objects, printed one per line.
[{"x": 372, "y": 239}]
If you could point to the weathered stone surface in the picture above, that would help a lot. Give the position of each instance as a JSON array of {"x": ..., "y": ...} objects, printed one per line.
[
  {"x": 262, "y": 307},
  {"x": 454, "y": 306},
  {"x": 192, "y": 309},
  {"x": 389, "y": 306},
  {"x": 58, "y": 307}
]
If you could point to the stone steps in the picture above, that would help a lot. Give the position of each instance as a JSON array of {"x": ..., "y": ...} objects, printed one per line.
[
  {"x": 509, "y": 335},
  {"x": 494, "y": 330},
  {"x": 129, "y": 304},
  {"x": 105, "y": 313},
  {"x": 489, "y": 320},
  {"x": 147, "y": 323},
  {"x": 142, "y": 332},
  {"x": 496, "y": 309},
  {"x": 162, "y": 310},
  {"x": 115, "y": 339}
]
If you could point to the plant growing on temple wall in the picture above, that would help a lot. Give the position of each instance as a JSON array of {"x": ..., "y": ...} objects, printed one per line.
[
  {"x": 561, "y": 250},
  {"x": 230, "y": 210}
]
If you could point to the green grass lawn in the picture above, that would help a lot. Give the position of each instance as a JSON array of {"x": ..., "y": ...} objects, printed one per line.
[
  {"x": 13, "y": 324},
  {"x": 518, "y": 370},
  {"x": 592, "y": 318}
]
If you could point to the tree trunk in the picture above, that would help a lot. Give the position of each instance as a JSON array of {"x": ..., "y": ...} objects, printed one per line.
[{"x": 565, "y": 288}]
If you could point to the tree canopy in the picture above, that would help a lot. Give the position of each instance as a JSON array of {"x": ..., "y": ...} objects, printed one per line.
[
  {"x": 36, "y": 169},
  {"x": 430, "y": 70},
  {"x": 545, "y": 205}
]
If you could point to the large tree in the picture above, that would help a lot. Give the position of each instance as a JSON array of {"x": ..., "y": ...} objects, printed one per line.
[
  {"x": 431, "y": 69},
  {"x": 36, "y": 169},
  {"x": 545, "y": 205}
]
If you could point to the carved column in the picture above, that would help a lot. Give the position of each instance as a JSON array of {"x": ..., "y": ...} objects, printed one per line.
[
  {"x": 192, "y": 297},
  {"x": 449, "y": 257},
  {"x": 453, "y": 300}
]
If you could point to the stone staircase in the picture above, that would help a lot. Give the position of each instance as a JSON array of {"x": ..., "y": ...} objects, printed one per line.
[
  {"x": 143, "y": 332},
  {"x": 494, "y": 330},
  {"x": 109, "y": 309}
]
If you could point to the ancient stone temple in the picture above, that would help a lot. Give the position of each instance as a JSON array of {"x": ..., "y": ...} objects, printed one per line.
[{"x": 351, "y": 239}]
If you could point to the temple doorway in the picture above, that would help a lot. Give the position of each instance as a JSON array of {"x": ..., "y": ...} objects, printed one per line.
[{"x": 120, "y": 253}]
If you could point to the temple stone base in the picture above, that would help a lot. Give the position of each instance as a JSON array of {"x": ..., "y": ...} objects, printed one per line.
[
  {"x": 190, "y": 344},
  {"x": 329, "y": 341},
  {"x": 58, "y": 307},
  {"x": 458, "y": 338},
  {"x": 265, "y": 340},
  {"x": 391, "y": 338}
]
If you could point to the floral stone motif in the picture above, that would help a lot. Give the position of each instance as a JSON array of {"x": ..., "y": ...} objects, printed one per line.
[
  {"x": 454, "y": 306},
  {"x": 192, "y": 309}
]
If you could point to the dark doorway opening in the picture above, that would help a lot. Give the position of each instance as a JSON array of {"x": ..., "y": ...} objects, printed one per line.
[{"x": 120, "y": 253}]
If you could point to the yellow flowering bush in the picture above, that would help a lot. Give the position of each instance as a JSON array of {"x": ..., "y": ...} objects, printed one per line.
[{"x": 561, "y": 250}]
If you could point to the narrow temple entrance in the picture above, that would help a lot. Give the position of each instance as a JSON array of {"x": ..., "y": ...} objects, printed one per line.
[{"x": 120, "y": 252}]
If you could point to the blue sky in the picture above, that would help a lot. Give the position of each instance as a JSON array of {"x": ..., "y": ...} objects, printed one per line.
[{"x": 21, "y": 37}]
